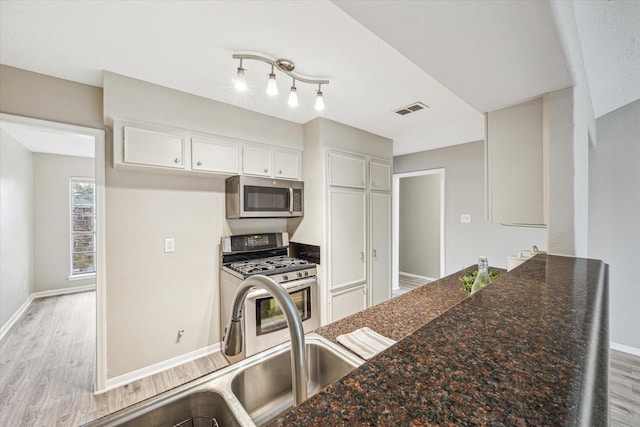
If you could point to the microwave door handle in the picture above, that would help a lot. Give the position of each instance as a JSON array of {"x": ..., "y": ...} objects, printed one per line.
[{"x": 291, "y": 200}]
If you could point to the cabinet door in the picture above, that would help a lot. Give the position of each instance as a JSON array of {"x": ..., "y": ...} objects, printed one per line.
[
  {"x": 347, "y": 302},
  {"x": 515, "y": 164},
  {"x": 153, "y": 148},
  {"x": 347, "y": 170},
  {"x": 286, "y": 164},
  {"x": 214, "y": 156},
  {"x": 256, "y": 161},
  {"x": 380, "y": 279},
  {"x": 347, "y": 237},
  {"x": 379, "y": 175}
]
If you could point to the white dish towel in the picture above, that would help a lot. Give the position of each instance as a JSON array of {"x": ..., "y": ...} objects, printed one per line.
[{"x": 365, "y": 342}]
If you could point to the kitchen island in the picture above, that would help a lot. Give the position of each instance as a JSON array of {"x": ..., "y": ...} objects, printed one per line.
[{"x": 529, "y": 349}]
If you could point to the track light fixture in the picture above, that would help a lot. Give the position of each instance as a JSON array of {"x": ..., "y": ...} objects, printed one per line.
[{"x": 286, "y": 67}]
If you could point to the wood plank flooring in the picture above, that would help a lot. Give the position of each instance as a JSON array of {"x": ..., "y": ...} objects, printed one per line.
[
  {"x": 624, "y": 389},
  {"x": 47, "y": 367},
  {"x": 47, "y": 362}
]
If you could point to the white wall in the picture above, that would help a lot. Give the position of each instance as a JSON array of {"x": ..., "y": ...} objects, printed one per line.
[
  {"x": 614, "y": 216},
  {"x": 464, "y": 193},
  {"x": 419, "y": 219},
  {"x": 52, "y": 237},
  {"x": 16, "y": 226}
]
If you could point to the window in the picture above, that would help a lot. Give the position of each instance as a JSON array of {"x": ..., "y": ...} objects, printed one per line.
[{"x": 83, "y": 227}]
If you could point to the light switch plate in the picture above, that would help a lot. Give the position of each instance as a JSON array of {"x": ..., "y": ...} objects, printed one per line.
[
  {"x": 465, "y": 218},
  {"x": 169, "y": 244}
]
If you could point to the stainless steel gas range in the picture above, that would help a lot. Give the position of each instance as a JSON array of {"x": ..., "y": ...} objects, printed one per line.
[{"x": 267, "y": 254}]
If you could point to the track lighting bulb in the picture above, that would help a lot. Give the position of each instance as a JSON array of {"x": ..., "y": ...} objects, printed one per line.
[
  {"x": 293, "y": 96},
  {"x": 319, "y": 100},
  {"x": 272, "y": 87},
  {"x": 241, "y": 80}
]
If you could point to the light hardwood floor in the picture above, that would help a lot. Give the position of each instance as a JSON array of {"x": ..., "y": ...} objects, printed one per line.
[
  {"x": 47, "y": 362},
  {"x": 624, "y": 389},
  {"x": 408, "y": 283},
  {"x": 47, "y": 367}
]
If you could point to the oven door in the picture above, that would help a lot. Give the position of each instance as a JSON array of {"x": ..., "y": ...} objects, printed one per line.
[{"x": 264, "y": 322}]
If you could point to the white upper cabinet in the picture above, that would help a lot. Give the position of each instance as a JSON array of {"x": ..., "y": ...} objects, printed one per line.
[
  {"x": 516, "y": 165},
  {"x": 346, "y": 170},
  {"x": 286, "y": 164},
  {"x": 271, "y": 162},
  {"x": 379, "y": 175},
  {"x": 256, "y": 161},
  {"x": 210, "y": 155},
  {"x": 153, "y": 148}
]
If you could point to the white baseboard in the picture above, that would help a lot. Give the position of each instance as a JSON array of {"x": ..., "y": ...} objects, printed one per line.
[
  {"x": 129, "y": 377},
  {"x": 16, "y": 316},
  {"x": 624, "y": 348},
  {"x": 417, "y": 276},
  {"x": 63, "y": 291},
  {"x": 43, "y": 294}
]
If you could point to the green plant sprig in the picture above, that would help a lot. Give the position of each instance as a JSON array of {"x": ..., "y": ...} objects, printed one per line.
[{"x": 470, "y": 277}]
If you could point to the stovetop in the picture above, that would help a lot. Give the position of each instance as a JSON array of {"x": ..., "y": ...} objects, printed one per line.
[
  {"x": 268, "y": 266},
  {"x": 266, "y": 254}
]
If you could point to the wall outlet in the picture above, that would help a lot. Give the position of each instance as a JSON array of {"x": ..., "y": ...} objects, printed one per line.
[
  {"x": 169, "y": 244},
  {"x": 465, "y": 218}
]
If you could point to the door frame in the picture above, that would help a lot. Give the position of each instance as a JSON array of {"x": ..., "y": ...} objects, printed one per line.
[
  {"x": 98, "y": 136},
  {"x": 395, "y": 264}
]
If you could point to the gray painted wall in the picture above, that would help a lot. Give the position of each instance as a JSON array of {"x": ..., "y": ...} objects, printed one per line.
[
  {"x": 419, "y": 219},
  {"x": 16, "y": 226},
  {"x": 51, "y": 175},
  {"x": 464, "y": 193},
  {"x": 614, "y": 216}
]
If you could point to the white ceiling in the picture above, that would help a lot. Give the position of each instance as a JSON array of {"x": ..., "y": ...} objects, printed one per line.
[
  {"x": 459, "y": 58},
  {"x": 45, "y": 140}
]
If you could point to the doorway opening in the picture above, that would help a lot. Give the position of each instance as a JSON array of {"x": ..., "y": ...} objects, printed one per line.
[
  {"x": 57, "y": 152},
  {"x": 418, "y": 228}
]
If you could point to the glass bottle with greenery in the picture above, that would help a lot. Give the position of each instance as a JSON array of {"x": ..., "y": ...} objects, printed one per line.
[{"x": 482, "y": 279}]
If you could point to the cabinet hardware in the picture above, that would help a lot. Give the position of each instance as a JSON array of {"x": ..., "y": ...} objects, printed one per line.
[
  {"x": 374, "y": 253},
  {"x": 176, "y": 160},
  {"x": 280, "y": 172},
  {"x": 266, "y": 170},
  {"x": 362, "y": 256},
  {"x": 199, "y": 162}
]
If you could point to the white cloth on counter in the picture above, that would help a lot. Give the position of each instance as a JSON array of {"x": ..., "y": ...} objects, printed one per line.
[{"x": 365, "y": 342}]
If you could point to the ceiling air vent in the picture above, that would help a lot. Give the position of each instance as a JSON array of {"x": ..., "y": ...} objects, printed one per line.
[{"x": 417, "y": 106}]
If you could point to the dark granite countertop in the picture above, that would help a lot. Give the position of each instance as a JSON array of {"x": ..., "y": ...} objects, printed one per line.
[{"x": 529, "y": 349}]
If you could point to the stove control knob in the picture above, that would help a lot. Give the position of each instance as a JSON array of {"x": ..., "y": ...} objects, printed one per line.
[
  {"x": 285, "y": 277},
  {"x": 306, "y": 273},
  {"x": 299, "y": 274}
]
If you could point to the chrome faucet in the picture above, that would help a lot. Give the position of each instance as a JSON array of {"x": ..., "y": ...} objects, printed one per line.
[{"x": 233, "y": 339}]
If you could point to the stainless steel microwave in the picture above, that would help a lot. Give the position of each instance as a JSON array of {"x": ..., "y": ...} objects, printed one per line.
[{"x": 253, "y": 197}]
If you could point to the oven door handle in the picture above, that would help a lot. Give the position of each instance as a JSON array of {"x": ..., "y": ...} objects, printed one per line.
[{"x": 290, "y": 287}]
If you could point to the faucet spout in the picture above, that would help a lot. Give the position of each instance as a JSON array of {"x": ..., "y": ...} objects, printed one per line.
[{"x": 233, "y": 339}]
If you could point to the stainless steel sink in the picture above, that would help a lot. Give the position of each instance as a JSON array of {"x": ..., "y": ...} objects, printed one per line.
[
  {"x": 250, "y": 392},
  {"x": 264, "y": 388},
  {"x": 197, "y": 409}
]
